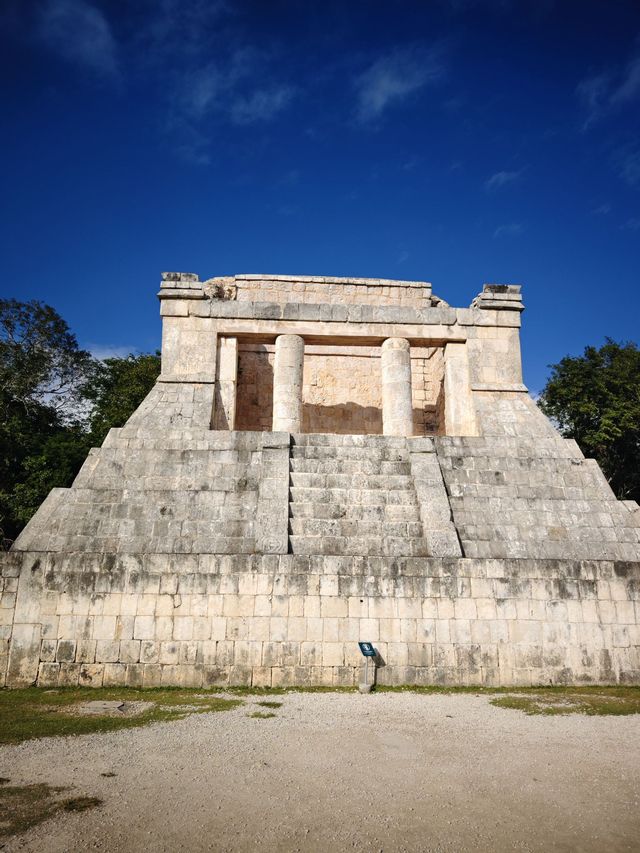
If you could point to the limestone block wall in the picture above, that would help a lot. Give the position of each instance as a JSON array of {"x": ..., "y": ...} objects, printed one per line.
[
  {"x": 325, "y": 289},
  {"x": 170, "y": 490},
  {"x": 341, "y": 389},
  {"x": 481, "y": 344},
  {"x": 201, "y": 620},
  {"x": 522, "y": 496}
]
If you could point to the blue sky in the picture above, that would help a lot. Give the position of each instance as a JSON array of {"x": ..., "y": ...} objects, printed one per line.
[{"x": 456, "y": 141}]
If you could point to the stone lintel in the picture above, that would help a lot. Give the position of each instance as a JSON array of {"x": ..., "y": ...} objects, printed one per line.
[
  {"x": 192, "y": 303},
  {"x": 347, "y": 334}
]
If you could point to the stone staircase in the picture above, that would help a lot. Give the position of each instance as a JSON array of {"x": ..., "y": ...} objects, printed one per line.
[
  {"x": 353, "y": 495},
  {"x": 519, "y": 497}
]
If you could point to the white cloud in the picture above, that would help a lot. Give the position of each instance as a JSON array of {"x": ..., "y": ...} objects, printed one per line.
[
  {"x": 603, "y": 210},
  {"x": 394, "y": 77},
  {"x": 501, "y": 179},
  {"x": 189, "y": 23},
  {"x": 629, "y": 166},
  {"x": 610, "y": 90},
  {"x": 261, "y": 105},
  {"x": 102, "y": 351},
  {"x": 629, "y": 88},
  {"x": 513, "y": 229},
  {"x": 235, "y": 89},
  {"x": 403, "y": 257},
  {"x": 632, "y": 224},
  {"x": 204, "y": 71},
  {"x": 79, "y": 33}
]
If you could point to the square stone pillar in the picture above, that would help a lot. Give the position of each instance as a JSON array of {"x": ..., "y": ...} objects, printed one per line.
[
  {"x": 224, "y": 414},
  {"x": 459, "y": 411},
  {"x": 397, "y": 408},
  {"x": 287, "y": 384}
]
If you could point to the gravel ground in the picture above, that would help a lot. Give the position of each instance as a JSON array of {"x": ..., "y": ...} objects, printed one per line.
[{"x": 334, "y": 772}]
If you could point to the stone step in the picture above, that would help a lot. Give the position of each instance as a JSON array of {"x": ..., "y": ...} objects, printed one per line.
[
  {"x": 106, "y": 477},
  {"x": 565, "y": 550},
  {"x": 372, "y": 546},
  {"x": 336, "y": 441},
  {"x": 354, "y": 528},
  {"x": 548, "y": 532},
  {"x": 157, "y": 528},
  {"x": 146, "y": 510},
  {"x": 347, "y": 497},
  {"x": 501, "y": 462},
  {"x": 169, "y": 503},
  {"x": 525, "y": 491},
  {"x": 575, "y": 477},
  {"x": 348, "y": 466},
  {"x": 507, "y": 446},
  {"x": 548, "y": 518},
  {"x": 381, "y": 513},
  {"x": 381, "y": 454},
  {"x": 187, "y": 438},
  {"x": 352, "y": 481},
  {"x": 159, "y": 545}
]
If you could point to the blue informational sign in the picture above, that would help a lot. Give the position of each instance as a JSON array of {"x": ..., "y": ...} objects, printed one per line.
[{"x": 367, "y": 650}]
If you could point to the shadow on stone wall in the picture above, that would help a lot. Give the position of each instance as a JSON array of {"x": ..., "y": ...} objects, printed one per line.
[{"x": 342, "y": 419}]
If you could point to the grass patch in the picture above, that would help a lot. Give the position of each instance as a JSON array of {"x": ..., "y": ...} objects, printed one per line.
[
  {"x": 262, "y": 715},
  {"x": 34, "y": 712},
  {"x": 22, "y": 807},
  {"x": 594, "y": 702},
  {"x": 270, "y": 704}
]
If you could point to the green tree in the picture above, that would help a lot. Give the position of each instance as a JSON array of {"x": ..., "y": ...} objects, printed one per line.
[
  {"x": 40, "y": 361},
  {"x": 595, "y": 399},
  {"x": 56, "y": 402},
  {"x": 116, "y": 389},
  {"x": 42, "y": 408}
]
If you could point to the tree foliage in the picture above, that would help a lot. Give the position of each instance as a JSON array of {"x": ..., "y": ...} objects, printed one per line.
[
  {"x": 41, "y": 364},
  {"x": 116, "y": 390},
  {"x": 56, "y": 402},
  {"x": 595, "y": 399}
]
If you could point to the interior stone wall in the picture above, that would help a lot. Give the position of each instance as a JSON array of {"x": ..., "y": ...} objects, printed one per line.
[{"x": 341, "y": 389}]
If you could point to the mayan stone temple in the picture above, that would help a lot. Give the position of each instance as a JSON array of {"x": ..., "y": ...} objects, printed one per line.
[{"x": 325, "y": 461}]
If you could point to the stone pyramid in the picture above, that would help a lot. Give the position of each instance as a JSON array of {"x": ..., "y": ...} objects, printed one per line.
[{"x": 325, "y": 461}]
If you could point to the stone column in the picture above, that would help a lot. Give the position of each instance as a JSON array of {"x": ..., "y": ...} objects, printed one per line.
[
  {"x": 287, "y": 384},
  {"x": 224, "y": 412},
  {"x": 459, "y": 411},
  {"x": 397, "y": 409}
]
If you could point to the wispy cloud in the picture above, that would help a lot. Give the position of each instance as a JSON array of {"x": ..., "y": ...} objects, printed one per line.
[
  {"x": 501, "y": 179},
  {"x": 602, "y": 210},
  {"x": 79, "y": 32},
  {"x": 628, "y": 161},
  {"x": 513, "y": 229},
  {"x": 102, "y": 351},
  {"x": 240, "y": 87},
  {"x": 632, "y": 224},
  {"x": 261, "y": 105},
  {"x": 403, "y": 257},
  {"x": 392, "y": 78},
  {"x": 187, "y": 23},
  {"x": 205, "y": 71},
  {"x": 609, "y": 90}
]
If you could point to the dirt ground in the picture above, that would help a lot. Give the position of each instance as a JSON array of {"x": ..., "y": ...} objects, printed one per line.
[{"x": 338, "y": 772}]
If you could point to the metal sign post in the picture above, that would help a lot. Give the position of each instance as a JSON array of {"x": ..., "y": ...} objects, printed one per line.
[{"x": 367, "y": 651}]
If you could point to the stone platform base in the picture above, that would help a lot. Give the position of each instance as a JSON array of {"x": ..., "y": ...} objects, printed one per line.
[{"x": 276, "y": 620}]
